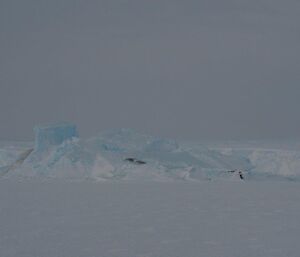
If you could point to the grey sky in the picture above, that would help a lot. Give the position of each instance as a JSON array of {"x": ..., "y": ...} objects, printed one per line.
[{"x": 188, "y": 69}]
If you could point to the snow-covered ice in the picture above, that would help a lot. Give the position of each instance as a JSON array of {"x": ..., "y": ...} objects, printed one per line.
[
  {"x": 63, "y": 218},
  {"x": 59, "y": 152}
]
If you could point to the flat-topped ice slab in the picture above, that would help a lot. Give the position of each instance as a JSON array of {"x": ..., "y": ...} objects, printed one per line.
[{"x": 55, "y": 134}]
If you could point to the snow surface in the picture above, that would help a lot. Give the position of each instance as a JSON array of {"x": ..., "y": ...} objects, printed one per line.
[{"x": 61, "y": 218}]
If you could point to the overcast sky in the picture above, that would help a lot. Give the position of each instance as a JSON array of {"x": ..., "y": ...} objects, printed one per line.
[{"x": 192, "y": 69}]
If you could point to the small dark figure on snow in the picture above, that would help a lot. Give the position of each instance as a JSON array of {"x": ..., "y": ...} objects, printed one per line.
[
  {"x": 241, "y": 175},
  {"x": 239, "y": 172},
  {"x": 231, "y": 171},
  {"x": 129, "y": 159},
  {"x": 140, "y": 162},
  {"x": 133, "y": 160}
]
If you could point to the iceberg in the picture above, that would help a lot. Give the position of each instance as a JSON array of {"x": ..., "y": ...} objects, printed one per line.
[
  {"x": 53, "y": 135},
  {"x": 59, "y": 152}
]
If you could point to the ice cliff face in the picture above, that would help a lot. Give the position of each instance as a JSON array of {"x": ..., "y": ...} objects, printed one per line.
[
  {"x": 59, "y": 152},
  {"x": 53, "y": 135}
]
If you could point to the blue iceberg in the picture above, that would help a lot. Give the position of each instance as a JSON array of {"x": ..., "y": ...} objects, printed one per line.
[{"x": 53, "y": 135}]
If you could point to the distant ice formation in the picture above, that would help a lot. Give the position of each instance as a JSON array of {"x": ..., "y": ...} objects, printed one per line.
[
  {"x": 53, "y": 135},
  {"x": 58, "y": 152}
]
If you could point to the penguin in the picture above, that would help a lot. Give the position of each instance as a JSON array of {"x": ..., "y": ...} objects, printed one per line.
[{"x": 241, "y": 175}]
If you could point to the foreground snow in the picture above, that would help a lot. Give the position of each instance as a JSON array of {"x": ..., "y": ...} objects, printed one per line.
[{"x": 59, "y": 218}]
